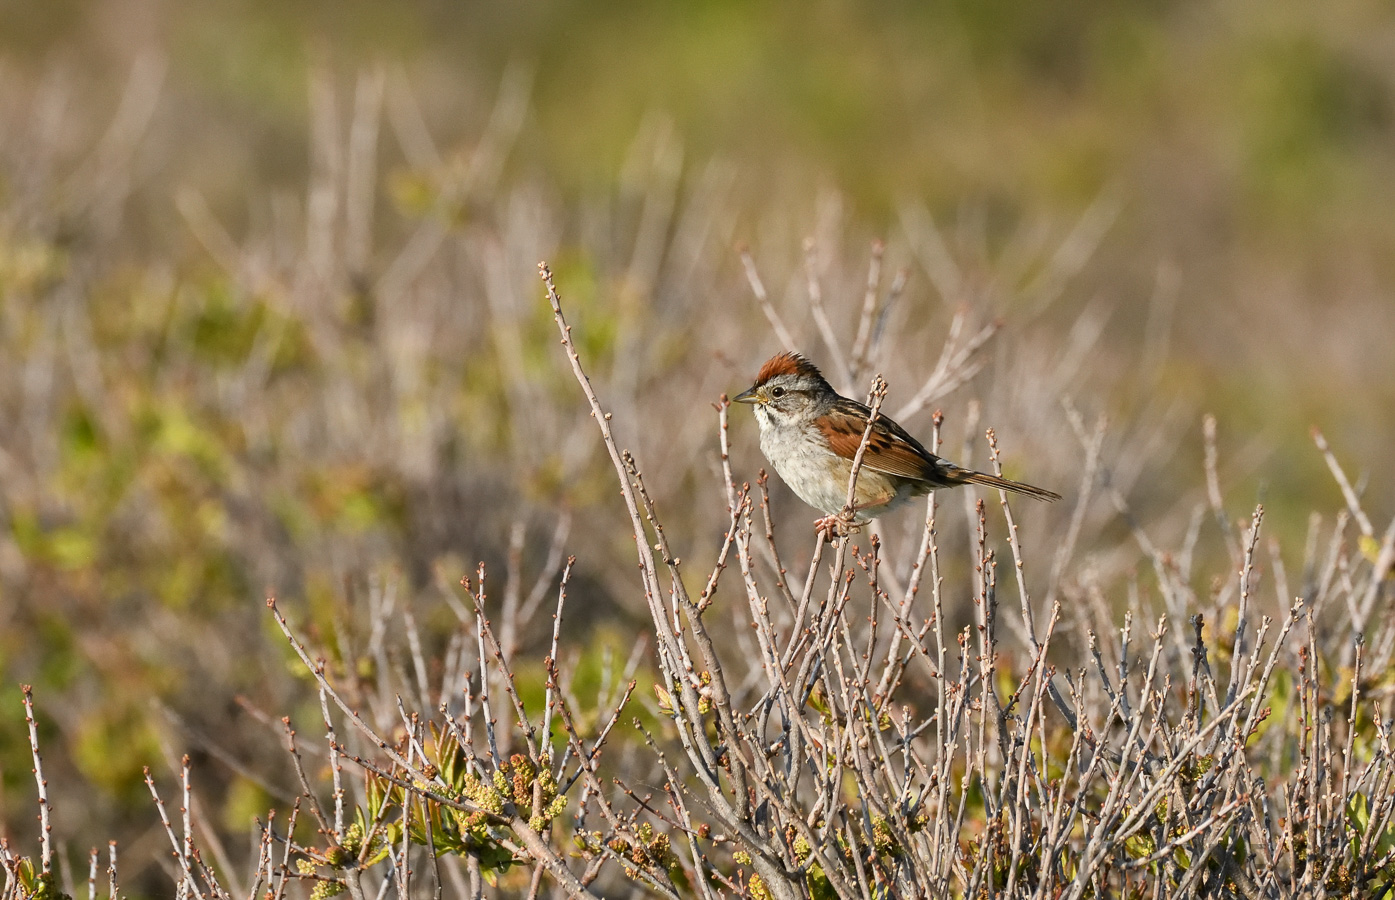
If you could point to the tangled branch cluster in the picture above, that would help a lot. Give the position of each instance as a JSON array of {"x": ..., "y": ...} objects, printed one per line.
[{"x": 839, "y": 734}]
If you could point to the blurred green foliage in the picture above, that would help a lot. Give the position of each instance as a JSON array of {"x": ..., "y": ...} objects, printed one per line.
[{"x": 1017, "y": 101}]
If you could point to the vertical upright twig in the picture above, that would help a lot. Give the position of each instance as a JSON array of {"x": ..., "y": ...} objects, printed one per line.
[{"x": 45, "y": 825}]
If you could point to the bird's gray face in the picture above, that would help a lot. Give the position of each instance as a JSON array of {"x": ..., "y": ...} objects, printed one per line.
[{"x": 783, "y": 399}]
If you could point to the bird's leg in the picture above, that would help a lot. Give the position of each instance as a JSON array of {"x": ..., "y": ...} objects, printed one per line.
[
  {"x": 844, "y": 522},
  {"x": 838, "y": 525}
]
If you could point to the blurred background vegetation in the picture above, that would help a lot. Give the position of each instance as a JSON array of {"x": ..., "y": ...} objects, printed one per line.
[{"x": 269, "y": 319}]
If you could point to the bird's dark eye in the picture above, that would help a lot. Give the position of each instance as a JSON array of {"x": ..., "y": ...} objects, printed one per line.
[{"x": 777, "y": 392}]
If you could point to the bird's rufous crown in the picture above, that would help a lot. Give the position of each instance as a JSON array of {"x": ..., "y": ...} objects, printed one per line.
[{"x": 787, "y": 364}]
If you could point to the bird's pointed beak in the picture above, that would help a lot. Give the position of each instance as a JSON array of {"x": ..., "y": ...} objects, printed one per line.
[{"x": 746, "y": 397}]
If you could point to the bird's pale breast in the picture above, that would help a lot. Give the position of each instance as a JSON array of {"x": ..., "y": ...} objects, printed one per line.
[{"x": 820, "y": 476}]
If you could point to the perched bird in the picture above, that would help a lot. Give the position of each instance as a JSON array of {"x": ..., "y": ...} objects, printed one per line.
[{"x": 811, "y": 433}]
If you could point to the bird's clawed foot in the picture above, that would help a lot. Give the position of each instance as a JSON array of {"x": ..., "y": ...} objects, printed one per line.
[{"x": 839, "y": 525}]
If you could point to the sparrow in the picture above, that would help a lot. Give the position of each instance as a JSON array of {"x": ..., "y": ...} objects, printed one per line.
[{"x": 811, "y": 433}]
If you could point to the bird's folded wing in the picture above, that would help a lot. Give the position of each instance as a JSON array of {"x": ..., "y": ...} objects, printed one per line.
[{"x": 889, "y": 449}]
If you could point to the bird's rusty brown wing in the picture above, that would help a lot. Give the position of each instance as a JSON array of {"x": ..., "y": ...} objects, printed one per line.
[{"x": 890, "y": 449}]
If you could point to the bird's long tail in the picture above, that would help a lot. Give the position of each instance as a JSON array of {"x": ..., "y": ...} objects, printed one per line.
[{"x": 965, "y": 476}]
